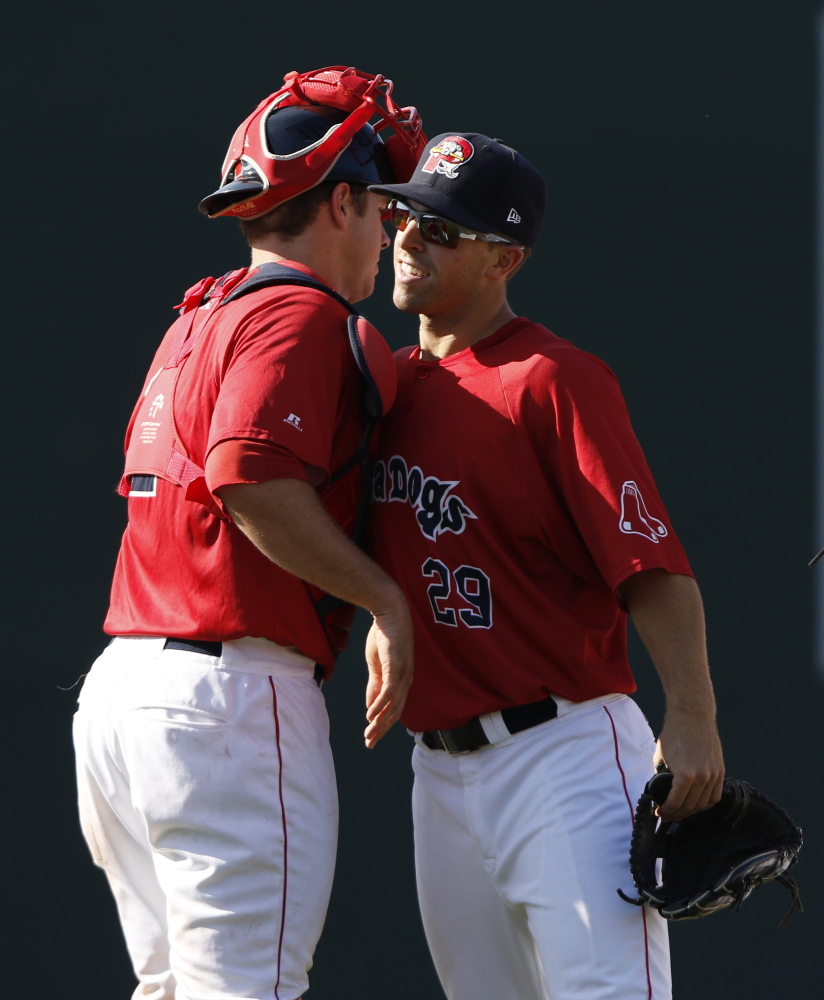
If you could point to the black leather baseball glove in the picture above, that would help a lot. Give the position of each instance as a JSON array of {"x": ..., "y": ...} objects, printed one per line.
[{"x": 713, "y": 859}]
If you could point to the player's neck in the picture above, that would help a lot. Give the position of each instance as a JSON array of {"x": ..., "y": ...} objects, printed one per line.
[
  {"x": 301, "y": 254},
  {"x": 446, "y": 334},
  {"x": 315, "y": 248}
]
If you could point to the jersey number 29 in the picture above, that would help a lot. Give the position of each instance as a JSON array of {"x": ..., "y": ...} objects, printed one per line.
[{"x": 473, "y": 586}]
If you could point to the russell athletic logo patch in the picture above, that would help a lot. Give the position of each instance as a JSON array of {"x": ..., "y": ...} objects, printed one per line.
[
  {"x": 450, "y": 154},
  {"x": 635, "y": 518}
]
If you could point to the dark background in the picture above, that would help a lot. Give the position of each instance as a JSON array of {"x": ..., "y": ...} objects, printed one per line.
[{"x": 677, "y": 140}]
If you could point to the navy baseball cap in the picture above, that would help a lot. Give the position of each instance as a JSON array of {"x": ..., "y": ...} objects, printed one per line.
[{"x": 478, "y": 182}]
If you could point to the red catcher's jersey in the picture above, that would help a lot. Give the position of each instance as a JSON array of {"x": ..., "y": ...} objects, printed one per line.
[
  {"x": 510, "y": 500},
  {"x": 273, "y": 369}
]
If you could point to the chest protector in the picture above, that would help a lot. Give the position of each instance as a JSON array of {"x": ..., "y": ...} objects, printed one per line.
[{"x": 153, "y": 445}]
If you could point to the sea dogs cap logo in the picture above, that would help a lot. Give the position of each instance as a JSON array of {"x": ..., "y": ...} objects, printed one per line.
[{"x": 448, "y": 156}]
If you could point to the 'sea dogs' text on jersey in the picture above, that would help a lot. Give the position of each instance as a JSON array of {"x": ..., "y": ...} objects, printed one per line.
[{"x": 437, "y": 508}]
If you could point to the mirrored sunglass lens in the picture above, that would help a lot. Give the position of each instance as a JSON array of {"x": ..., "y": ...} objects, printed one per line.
[
  {"x": 400, "y": 217},
  {"x": 440, "y": 231},
  {"x": 432, "y": 230}
]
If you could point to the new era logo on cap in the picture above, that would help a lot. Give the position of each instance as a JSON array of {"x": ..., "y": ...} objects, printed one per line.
[{"x": 513, "y": 216}]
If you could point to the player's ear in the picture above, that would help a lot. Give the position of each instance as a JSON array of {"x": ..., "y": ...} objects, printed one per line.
[
  {"x": 506, "y": 260},
  {"x": 341, "y": 205}
]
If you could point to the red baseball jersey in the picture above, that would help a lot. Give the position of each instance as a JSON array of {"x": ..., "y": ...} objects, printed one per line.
[
  {"x": 511, "y": 499},
  {"x": 270, "y": 390}
]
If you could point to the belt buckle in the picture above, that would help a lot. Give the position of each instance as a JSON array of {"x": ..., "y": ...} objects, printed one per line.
[{"x": 442, "y": 735}]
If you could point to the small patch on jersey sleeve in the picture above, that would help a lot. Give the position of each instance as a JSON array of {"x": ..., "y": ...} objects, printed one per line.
[{"x": 635, "y": 518}]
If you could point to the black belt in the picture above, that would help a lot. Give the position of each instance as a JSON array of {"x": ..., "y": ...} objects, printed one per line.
[
  {"x": 216, "y": 649},
  {"x": 195, "y": 646},
  {"x": 465, "y": 739}
]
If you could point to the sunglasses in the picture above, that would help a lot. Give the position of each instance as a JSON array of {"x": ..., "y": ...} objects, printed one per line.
[{"x": 434, "y": 229}]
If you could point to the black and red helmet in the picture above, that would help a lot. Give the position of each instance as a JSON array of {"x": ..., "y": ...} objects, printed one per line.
[{"x": 315, "y": 128}]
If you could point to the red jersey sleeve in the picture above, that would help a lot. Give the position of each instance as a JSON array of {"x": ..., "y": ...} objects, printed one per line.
[
  {"x": 598, "y": 465},
  {"x": 239, "y": 461},
  {"x": 282, "y": 379}
]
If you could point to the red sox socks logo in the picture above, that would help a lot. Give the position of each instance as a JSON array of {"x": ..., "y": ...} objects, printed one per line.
[
  {"x": 450, "y": 153},
  {"x": 635, "y": 518},
  {"x": 436, "y": 508}
]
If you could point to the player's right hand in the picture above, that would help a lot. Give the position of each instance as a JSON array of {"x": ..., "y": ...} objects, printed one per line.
[
  {"x": 389, "y": 657},
  {"x": 691, "y": 749}
]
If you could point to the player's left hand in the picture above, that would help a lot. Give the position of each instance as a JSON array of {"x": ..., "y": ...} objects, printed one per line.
[
  {"x": 389, "y": 659},
  {"x": 691, "y": 748}
]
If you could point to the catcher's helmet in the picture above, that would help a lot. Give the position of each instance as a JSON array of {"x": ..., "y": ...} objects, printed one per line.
[{"x": 315, "y": 128}]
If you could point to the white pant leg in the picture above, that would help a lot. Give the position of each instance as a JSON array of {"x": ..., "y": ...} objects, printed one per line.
[
  {"x": 207, "y": 794},
  {"x": 547, "y": 817},
  {"x": 481, "y": 946},
  {"x": 116, "y": 834}
]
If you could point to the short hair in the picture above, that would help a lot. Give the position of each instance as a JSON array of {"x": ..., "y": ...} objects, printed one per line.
[{"x": 293, "y": 217}]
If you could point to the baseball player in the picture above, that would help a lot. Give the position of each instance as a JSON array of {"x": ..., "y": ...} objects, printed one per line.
[
  {"x": 513, "y": 504},
  {"x": 206, "y": 787}
]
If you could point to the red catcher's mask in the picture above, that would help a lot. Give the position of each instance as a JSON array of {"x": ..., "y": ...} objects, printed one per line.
[{"x": 255, "y": 179}]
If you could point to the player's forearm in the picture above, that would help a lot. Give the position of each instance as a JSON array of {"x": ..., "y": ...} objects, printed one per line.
[
  {"x": 287, "y": 522},
  {"x": 668, "y": 615}
]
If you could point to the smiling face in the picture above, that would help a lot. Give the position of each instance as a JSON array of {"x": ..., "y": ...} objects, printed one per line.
[{"x": 435, "y": 280}]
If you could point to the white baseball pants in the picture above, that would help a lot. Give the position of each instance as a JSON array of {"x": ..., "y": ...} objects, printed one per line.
[
  {"x": 520, "y": 848},
  {"x": 207, "y": 794}
]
